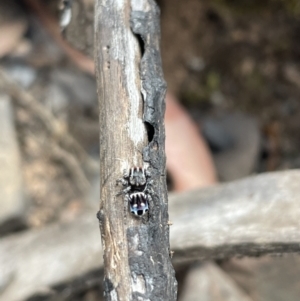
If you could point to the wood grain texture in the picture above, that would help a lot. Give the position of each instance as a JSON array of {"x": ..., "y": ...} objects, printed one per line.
[
  {"x": 250, "y": 217},
  {"x": 136, "y": 251}
]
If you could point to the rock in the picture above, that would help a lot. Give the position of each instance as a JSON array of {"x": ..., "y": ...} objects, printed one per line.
[
  {"x": 219, "y": 139},
  {"x": 80, "y": 88},
  {"x": 21, "y": 73},
  {"x": 12, "y": 205},
  {"x": 56, "y": 99},
  {"x": 207, "y": 282},
  {"x": 196, "y": 63},
  {"x": 235, "y": 141}
]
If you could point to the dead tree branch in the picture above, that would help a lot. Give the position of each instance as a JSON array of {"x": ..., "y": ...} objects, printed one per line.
[{"x": 136, "y": 250}]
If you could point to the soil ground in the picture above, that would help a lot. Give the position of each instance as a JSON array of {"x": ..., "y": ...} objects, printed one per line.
[{"x": 239, "y": 56}]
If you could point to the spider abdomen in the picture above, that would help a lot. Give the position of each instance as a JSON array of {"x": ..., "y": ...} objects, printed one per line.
[
  {"x": 138, "y": 203},
  {"x": 137, "y": 189}
]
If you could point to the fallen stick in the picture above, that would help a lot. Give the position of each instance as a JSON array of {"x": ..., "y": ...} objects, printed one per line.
[{"x": 251, "y": 217}]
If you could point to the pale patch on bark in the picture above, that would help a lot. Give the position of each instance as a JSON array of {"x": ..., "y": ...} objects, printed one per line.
[
  {"x": 135, "y": 125},
  {"x": 114, "y": 295},
  {"x": 141, "y": 5},
  {"x": 138, "y": 284},
  {"x": 120, "y": 4}
]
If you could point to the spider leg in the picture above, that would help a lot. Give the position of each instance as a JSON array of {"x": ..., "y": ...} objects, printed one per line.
[
  {"x": 126, "y": 173},
  {"x": 148, "y": 187},
  {"x": 150, "y": 182},
  {"x": 148, "y": 190},
  {"x": 149, "y": 197},
  {"x": 126, "y": 190},
  {"x": 147, "y": 173},
  {"x": 122, "y": 181}
]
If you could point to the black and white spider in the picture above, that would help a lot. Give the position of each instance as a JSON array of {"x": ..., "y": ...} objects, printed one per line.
[{"x": 137, "y": 189}]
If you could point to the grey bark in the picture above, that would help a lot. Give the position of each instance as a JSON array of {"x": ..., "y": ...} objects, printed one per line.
[
  {"x": 251, "y": 217},
  {"x": 136, "y": 251}
]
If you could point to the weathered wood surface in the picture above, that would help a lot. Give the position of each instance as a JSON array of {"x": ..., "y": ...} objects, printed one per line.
[
  {"x": 137, "y": 264},
  {"x": 122, "y": 137},
  {"x": 250, "y": 217},
  {"x": 31, "y": 262}
]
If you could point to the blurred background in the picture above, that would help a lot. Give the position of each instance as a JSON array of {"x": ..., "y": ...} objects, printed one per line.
[{"x": 233, "y": 74}]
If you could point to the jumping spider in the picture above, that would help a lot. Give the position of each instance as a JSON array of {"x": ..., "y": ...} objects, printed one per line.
[{"x": 137, "y": 189}]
